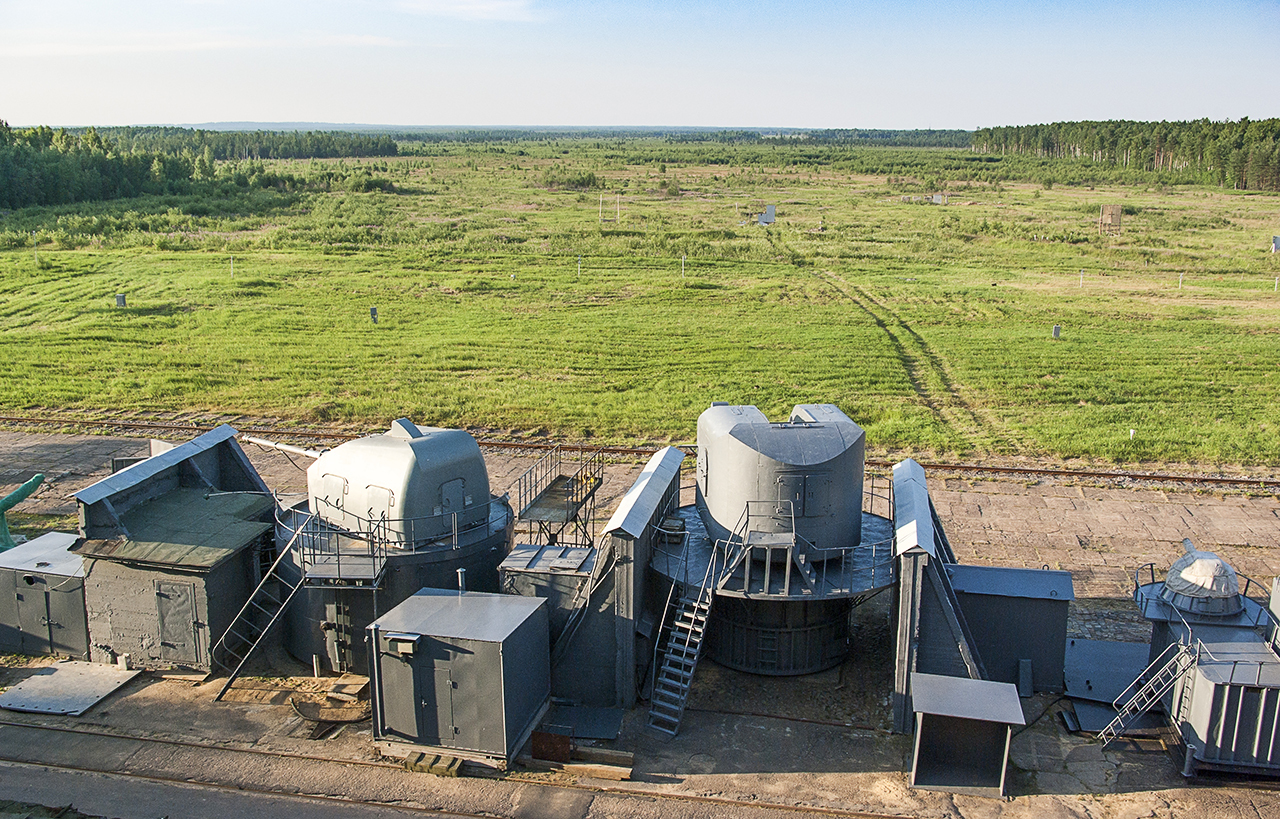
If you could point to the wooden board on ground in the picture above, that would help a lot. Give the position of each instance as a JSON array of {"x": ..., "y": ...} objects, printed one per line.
[{"x": 350, "y": 688}]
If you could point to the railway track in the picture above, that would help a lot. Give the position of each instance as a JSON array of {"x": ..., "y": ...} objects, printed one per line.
[
  {"x": 534, "y": 446},
  {"x": 107, "y": 746}
]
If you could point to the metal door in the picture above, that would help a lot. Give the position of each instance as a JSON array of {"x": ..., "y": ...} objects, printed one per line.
[
  {"x": 444, "y": 727},
  {"x": 68, "y": 628},
  {"x": 10, "y": 625},
  {"x": 382, "y": 503},
  {"x": 791, "y": 488},
  {"x": 176, "y": 605},
  {"x": 33, "y": 614},
  {"x": 451, "y": 496},
  {"x": 817, "y": 495},
  {"x": 337, "y": 634}
]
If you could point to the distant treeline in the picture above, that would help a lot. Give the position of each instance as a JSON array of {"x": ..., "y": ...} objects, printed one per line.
[
  {"x": 249, "y": 144},
  {"x": 1244, "y": 155},
  {"x": 859, "y": 137},
  {"x": 41, "y": 166}
]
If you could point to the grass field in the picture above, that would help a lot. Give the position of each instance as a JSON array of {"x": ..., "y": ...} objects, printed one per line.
[{"x": 930, "y": 325}]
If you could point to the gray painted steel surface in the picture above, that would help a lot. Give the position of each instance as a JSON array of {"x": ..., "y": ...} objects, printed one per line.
[
  {"x": 779, "y": 638},
  {"x": 1015, "y": 615},
  {"x": 812, "y": 463},
  {"x": 50, "y": 553},
  {"x": 1101, "y": 670},
  {"x": 329, "y": 623},
  {"x": 933, "y": 635},
  {"x": 155, "y": 466},
  {"x": 637, "y": 508},
  {"x": 962, "y": 734},
  {"x": 631, "y": 536},
  {"x": 68, "y": 687},
  {"x": 172, "y": 548},
  {"x": 42, "y": 608},
  {"x": 420, "y": 484},
  {"x": 462, "y": 671}
]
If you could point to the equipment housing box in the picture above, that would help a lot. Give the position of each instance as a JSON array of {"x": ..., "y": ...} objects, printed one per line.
[{"x": 467, "y": 673}]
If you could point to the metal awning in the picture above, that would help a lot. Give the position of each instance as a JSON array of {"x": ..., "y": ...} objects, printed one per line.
[
  {"x": 637, "y": 506},
  {"x": 966, "y": 699}
]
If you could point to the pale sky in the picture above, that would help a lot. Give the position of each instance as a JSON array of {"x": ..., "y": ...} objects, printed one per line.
[{"x": 805, "y": 64}]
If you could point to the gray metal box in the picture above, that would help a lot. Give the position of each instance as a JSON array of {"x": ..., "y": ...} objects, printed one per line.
[
  {"x": 42, "y": 598},
  {"x": 464, "y": 672},
  {"x": 1015, "y": 615}
]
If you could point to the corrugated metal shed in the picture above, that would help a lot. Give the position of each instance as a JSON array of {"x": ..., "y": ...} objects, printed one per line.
[
  {"x": 153, "y": 466},
  {"x": 189, "y": 528},
  {"x": 642, "y": 499}
]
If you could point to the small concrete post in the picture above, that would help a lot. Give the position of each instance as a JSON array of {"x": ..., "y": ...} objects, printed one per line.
[
  {"x": 1131, "y": 434},
  {"x": 1082, "y": 277},
  {"x": 1179, "y": 281},
  {"x": 233, "y": 267},
  {"x": 682, "y": 267},
  {"x": 373, "y": 314},
  {"x": 462, "y": 580},
  {"x": 1057, "y": 331},
  {"x": 121, "y": 300},
  {"x": 579, "y": 267}
]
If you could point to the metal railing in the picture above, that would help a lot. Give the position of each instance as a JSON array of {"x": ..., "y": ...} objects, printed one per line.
[
  {"x": 536, "y": 479},
  {"x": 434, "y": 532},
  {"x": 1263, "y": 617},
  {"x": 873, "y": 500},
  {"x": 531, "y": 485}
]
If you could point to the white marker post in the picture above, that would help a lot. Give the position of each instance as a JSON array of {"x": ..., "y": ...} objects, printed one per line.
[
  {"x": 1082, "y": 277},
  {"x": 682, "y": 267}
]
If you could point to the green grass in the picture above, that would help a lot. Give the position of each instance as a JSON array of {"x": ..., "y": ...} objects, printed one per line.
[{"x": 928, "y": 325}]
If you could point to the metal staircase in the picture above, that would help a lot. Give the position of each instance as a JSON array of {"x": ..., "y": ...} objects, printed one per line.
[
  {"x": 680, "y": 646},
  {"x": 259, "y": 613},
  {"x": 1177, "y": 659}
]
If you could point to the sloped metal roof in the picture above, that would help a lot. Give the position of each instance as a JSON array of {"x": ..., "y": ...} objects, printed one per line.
[
  {"x": 460, "y": 615},
  {"x": 48, "y": 554},
  {"x": 133, "y": 475},
  {"x": 912, "y": 519},
  {"x": 1004, "y": 581},
  {"x": 967, "y": 699},
  {"x": 637, "y": 506}
]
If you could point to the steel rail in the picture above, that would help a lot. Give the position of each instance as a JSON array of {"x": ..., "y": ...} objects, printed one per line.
[
  {"x": 334, "y": 435},
  {"x": 622, "y": 792}
]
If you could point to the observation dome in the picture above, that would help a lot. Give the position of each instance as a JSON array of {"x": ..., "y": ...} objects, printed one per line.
[{"x": 1202, "y": 583}]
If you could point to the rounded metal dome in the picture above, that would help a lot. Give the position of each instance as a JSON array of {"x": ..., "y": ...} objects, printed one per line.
[{"x": 1202, "y": 583}]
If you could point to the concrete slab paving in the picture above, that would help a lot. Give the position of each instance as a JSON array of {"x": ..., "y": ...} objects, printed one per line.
[{"x": 815, "y": 742}]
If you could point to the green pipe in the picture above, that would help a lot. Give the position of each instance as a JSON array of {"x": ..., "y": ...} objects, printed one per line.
[{"x": 11, "y": 500}]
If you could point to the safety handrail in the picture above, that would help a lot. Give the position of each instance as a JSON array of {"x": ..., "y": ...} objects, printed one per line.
[{"x": 397, "y": 533}]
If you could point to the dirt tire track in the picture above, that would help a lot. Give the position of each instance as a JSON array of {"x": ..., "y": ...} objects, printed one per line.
[{"x": 931, "y": 378}]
